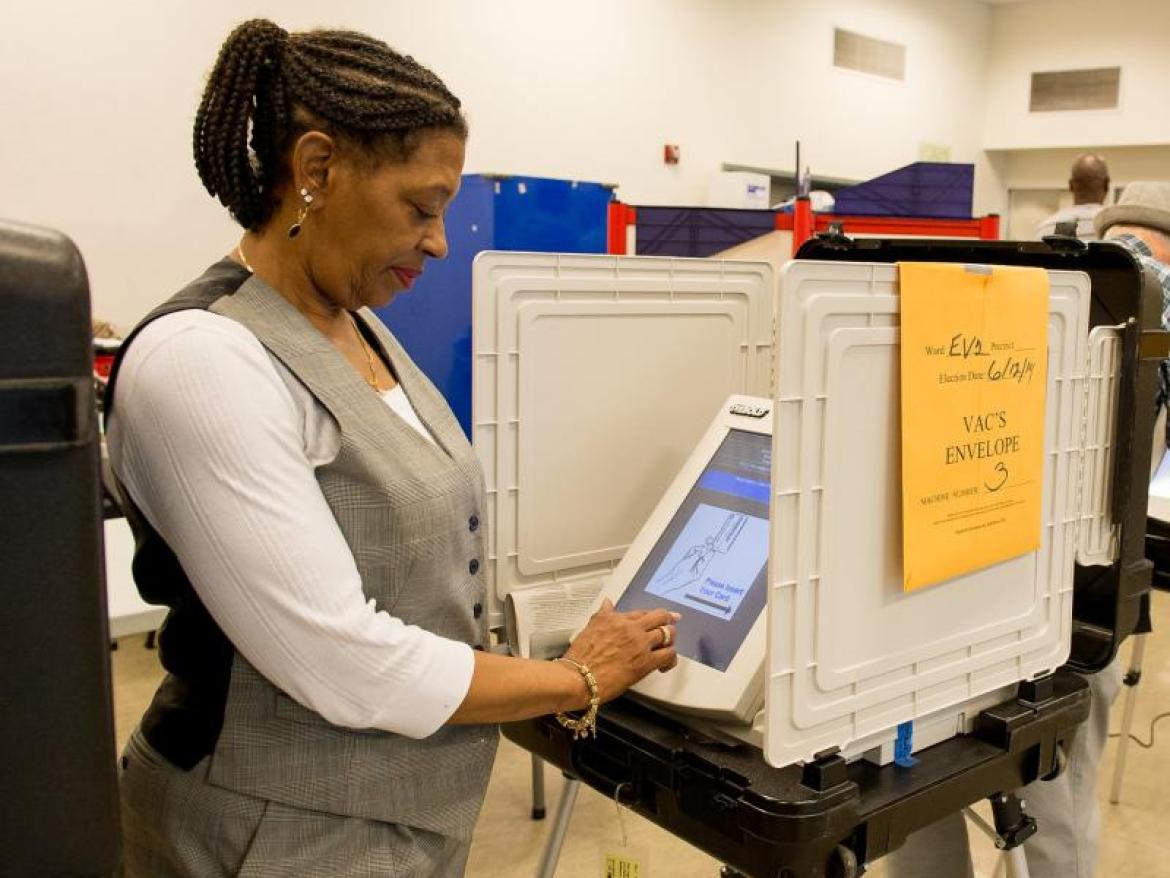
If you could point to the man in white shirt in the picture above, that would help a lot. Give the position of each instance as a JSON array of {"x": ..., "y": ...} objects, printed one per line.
[{"x": 1089, "y": 184}]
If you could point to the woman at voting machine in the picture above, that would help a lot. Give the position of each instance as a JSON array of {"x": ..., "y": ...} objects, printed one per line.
[{"x": 307, "y": 506}]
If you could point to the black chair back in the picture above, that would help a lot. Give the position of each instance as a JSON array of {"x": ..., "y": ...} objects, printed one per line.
[{"x": 58, "y": 784}]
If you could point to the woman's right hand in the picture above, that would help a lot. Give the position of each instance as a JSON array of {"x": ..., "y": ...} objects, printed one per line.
[
  {"x": 622, "y": 648},
  {"x": 618, "y": 648}
]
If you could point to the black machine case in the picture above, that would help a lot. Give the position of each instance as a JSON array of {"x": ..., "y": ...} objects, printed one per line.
[
  {"x": 827, "y": 816},
  {"x": 57, "y": 732}
]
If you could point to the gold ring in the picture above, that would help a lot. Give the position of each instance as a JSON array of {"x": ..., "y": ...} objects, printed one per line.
[{"x": 667, "y": 637}]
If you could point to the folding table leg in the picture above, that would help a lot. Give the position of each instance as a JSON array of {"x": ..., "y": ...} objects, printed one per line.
[
  {"x": 538, "y": 809},
  {"x": 1132, "y": 677},
  {"x": 560, "y": 828}
]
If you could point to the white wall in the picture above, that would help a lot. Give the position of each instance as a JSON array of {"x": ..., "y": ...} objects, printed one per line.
[
  {"x": 1073, "y": 34},
  {"x": 1049, "y": 168},
  {"x": 99, "y": 98}
]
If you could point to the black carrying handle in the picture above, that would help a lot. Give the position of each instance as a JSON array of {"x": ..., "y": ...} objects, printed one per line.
[
  {"x": 603, "y": 773},
  {"x": 39, "y": 415}
]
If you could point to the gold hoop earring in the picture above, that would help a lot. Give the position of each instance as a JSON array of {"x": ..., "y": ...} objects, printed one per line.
[{"x": 302, "y": 214}]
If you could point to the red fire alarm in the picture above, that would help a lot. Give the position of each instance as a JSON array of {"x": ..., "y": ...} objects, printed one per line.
[{"x": 670, "y": 153}]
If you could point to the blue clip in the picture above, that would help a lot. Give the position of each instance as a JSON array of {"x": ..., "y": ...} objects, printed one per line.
[{"x": 904, "y": 746}]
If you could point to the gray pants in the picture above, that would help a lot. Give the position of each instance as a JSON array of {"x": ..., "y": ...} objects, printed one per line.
[
  {"x": 1066, "y": 812},
  {"x": 177, "y": 825}
]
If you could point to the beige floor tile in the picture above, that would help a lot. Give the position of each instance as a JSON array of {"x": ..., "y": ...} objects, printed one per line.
[
  {"x": 1135, "y": 837},
  {"x": 508, "y": 843},
  {"x": 137, "y": 673}
]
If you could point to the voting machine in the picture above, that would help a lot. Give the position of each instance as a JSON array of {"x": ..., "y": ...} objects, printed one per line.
[
  {"x": 852, "y": 666},
  {"x": 703, "y": 553}
]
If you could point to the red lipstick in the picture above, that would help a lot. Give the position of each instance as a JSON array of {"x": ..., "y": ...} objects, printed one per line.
[{"x": 406, "y": 275}]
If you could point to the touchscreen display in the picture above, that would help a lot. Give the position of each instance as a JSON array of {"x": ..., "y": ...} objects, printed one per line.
[{"x": 710, "y": 564}]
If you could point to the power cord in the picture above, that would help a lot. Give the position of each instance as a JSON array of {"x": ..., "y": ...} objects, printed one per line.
[{"x": 1153, "y": 724}]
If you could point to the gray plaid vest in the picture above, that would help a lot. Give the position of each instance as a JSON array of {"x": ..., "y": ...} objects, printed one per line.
[{"x": 409, "y": 510}]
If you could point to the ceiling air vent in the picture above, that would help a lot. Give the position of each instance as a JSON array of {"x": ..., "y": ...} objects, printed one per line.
[
  {"x": 869, "y": 55},
  {"x": 1095, "y": 89}
]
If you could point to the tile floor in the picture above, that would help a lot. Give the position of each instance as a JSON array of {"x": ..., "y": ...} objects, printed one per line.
[{"x": 1135, "y": 839}]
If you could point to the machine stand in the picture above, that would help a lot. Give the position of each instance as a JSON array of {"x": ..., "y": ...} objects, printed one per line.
[
  {"x": 843, "y": 865},
  {"x": 1012, "y": 828}
]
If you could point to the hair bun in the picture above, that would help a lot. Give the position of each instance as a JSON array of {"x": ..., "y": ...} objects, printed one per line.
[
  {"x": 243, "y": 100},
  {"x": 261, "y": 32}
]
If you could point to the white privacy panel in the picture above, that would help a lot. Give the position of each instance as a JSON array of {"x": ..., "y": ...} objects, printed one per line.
[
  {"x": 593, "y": 377},
  {"x": 851, "y": 655},
  {"x": 1099, "y": 534}
]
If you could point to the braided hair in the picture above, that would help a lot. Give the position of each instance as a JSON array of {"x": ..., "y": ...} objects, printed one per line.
[{"x": 268, "y": 87}]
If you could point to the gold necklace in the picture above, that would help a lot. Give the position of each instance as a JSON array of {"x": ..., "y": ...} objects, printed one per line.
[
  {"x": 372, "y": 381},
  {"x": 365, "y": 345},
  {"x": 244, "y": 259}
]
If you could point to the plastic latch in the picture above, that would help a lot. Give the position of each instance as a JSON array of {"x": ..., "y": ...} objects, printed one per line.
[
  {"x": 835, "y": 235},
  {"x": 1036, "y": 691},
  {"x": 826, "y": 771},
  {"x": 1065, "y": 239},
  {"x": 904, "y": 746}
]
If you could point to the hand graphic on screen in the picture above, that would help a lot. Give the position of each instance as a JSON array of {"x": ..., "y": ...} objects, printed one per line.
[{"x": 697, "y": 558}]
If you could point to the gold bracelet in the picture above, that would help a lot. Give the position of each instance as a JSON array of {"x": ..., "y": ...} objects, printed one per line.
[{"x": 587, "y": 724}]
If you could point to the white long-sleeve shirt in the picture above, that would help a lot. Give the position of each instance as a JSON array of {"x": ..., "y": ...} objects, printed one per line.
[
  {"x": 216, "y": 442},
  {"x": 1081, "y": 214}
]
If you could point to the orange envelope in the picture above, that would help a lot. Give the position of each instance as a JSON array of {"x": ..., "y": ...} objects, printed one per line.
[{"x": 974, "y": 361}]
